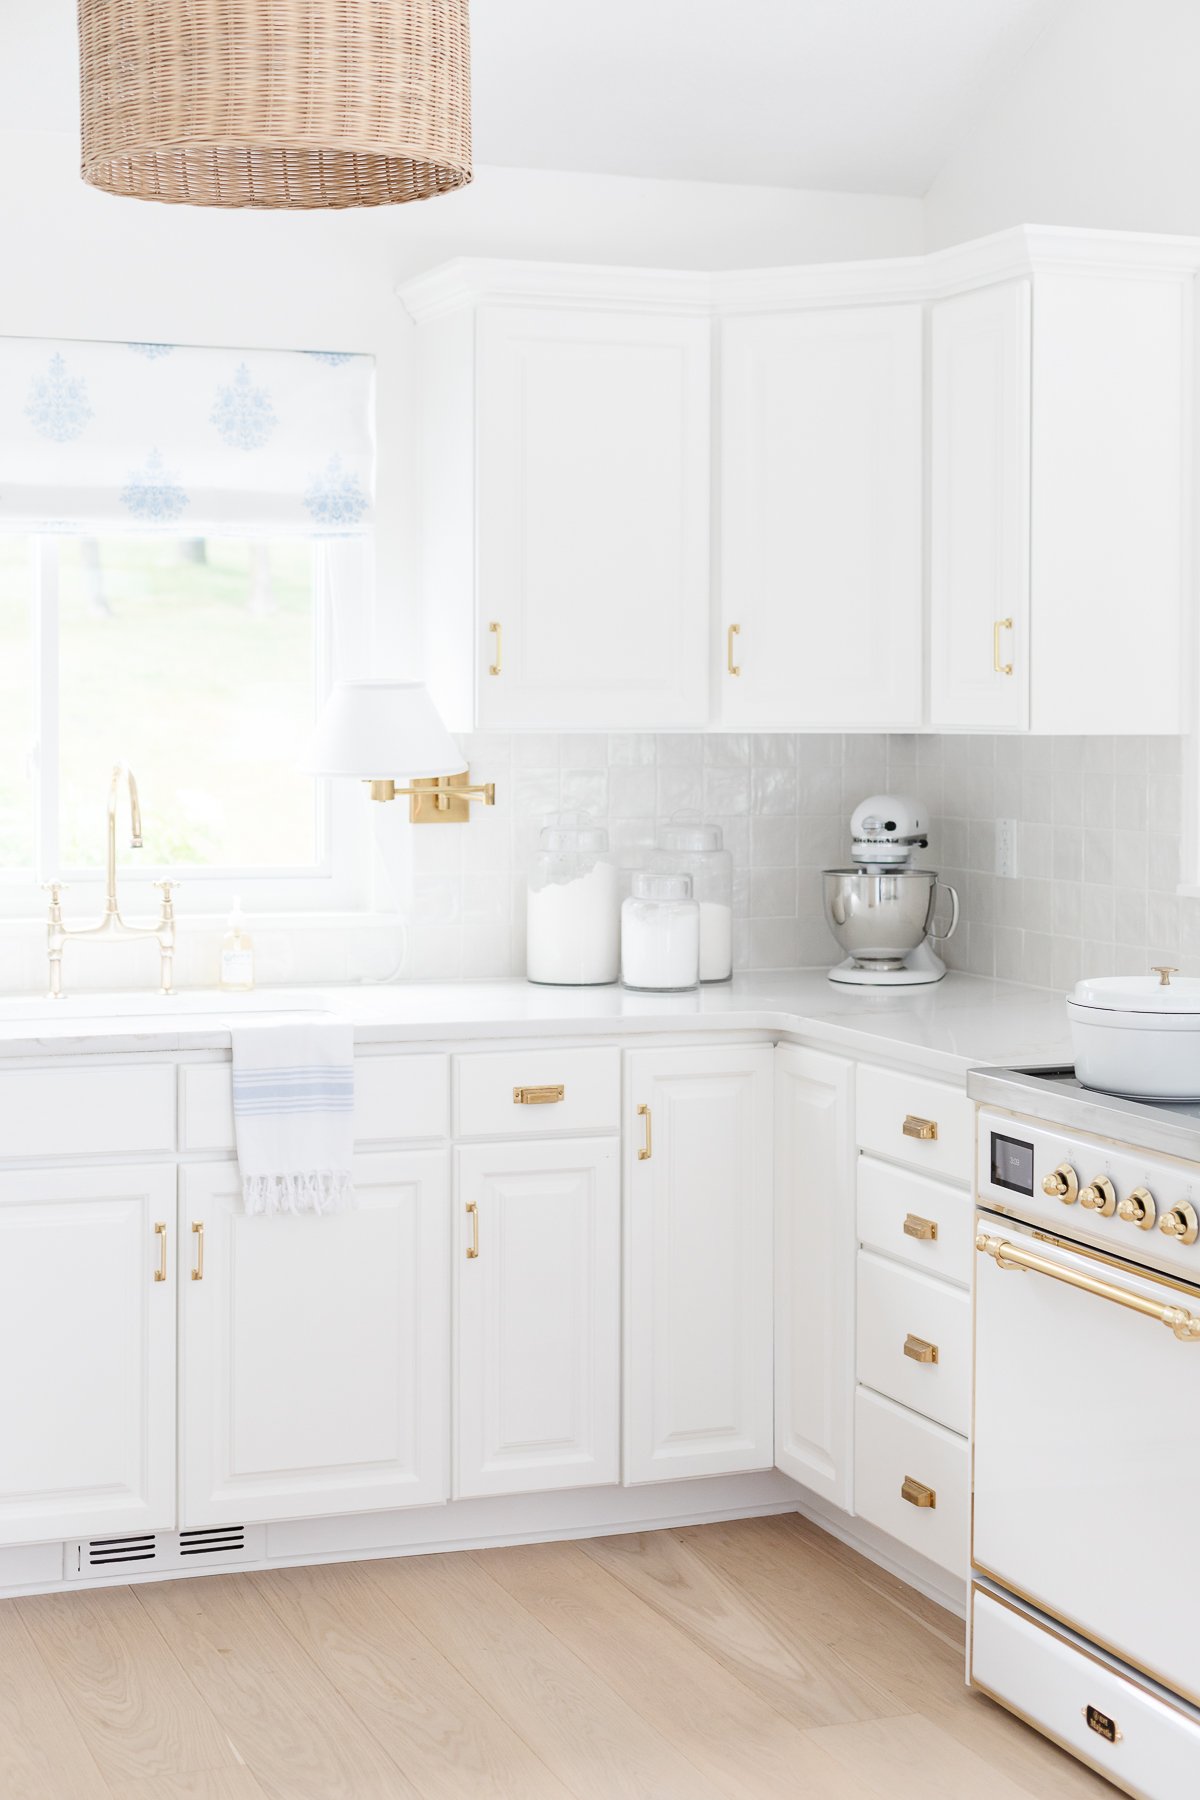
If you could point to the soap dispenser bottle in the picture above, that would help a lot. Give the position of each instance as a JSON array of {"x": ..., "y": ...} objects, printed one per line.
[{"x": 237, "y": 953}]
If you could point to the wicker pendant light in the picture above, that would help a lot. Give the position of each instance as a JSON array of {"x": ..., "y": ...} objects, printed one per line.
[{"x": 276, "y": 103}]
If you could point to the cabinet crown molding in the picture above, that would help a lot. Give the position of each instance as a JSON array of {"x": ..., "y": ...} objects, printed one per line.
[{"x": 468, "y": 282}]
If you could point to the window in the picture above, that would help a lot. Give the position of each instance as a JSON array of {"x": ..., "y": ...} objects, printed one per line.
[{"x": 201, "y": 663}]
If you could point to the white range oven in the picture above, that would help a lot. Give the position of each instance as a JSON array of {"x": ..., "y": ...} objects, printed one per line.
[{"x": 1085, "y": 1601}]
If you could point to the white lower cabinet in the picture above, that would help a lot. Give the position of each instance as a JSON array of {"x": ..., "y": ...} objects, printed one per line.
[
  {"x": 87, "y": 1345},
  {"x": 698, "y": 1319},
  {"x": 912, "y": 1480},
  {"x": 314, "y": 1369},
  {"x": 537, "y": 1259},
  {"x": 814, "y": 1270}
]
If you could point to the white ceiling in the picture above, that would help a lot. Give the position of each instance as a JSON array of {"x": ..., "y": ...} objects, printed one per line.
[{"x": 860, "y": 95}]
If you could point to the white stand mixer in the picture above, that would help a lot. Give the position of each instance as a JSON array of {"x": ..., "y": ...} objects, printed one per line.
[{"x": 882, "y": 909}]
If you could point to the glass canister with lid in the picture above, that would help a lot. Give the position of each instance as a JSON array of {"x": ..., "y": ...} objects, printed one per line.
[
  {"x": 695, "y": 849},
  {"x": 660, "y": 934},
  {"x": 572, "y": 934}
]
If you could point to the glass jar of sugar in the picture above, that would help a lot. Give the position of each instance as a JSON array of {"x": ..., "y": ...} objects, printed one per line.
[
  {"x": 698, "y": 850},
  {"x": 660, "y": 934},
  {"x": 572, "y": 933}
]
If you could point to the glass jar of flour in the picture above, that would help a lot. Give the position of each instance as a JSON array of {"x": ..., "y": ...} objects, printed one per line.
[
  {"x": 660, "y": 934},
  {"x": 572, "y": 936},
  {"x": 698, "y": 850}
]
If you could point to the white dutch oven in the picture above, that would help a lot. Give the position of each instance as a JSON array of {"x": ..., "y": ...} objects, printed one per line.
[{"x": 1138, "y": 1035}]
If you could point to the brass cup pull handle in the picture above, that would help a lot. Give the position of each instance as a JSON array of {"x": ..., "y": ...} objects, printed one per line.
[
  {"x": 198, "y": 1235},
  {"x": 539, "y": 1096},
  {"x": 473, "y": 1246},
  {"x": 916, "y": 1492},
  {"x": 734, "y": 631},
  {"x": 1000, "y": 668},
  {"x": 160, "y": 1232},
  {"x": 647, "y": 1149},
  {"x": 917, "y": 1227},
  {"x": 495, "y": 667},
  {"x": 924, "y": 1130},
  {"x": 920, "y": 1350}
]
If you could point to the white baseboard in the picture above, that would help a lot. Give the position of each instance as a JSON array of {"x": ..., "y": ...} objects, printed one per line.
[{"x": 907, "y": 1565}]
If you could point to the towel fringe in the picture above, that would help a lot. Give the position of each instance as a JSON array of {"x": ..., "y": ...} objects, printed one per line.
[{"x": 318, "y": 1191}]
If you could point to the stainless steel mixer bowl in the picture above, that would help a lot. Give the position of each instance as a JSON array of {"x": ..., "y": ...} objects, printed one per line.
[{"x": 878, "y": 916}]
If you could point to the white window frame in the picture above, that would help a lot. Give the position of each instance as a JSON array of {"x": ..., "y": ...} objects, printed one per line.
[{"x": 340, "y": 879}]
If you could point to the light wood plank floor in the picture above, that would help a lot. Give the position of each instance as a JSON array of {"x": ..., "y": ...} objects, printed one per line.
[{"x": 724, "y": 1662}]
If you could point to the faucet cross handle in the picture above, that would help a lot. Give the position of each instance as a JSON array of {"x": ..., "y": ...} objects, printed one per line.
[
  {"x": 55, "y": 889},
  {"x": 167, "y": 888}
]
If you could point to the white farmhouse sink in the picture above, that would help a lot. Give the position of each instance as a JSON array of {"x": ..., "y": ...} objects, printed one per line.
[{"x": 158, "y": 1006}]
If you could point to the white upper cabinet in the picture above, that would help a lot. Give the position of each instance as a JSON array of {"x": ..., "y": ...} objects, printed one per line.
[
  {"x": 979, "y": 510},
  {"x": 821, "y": 450}
]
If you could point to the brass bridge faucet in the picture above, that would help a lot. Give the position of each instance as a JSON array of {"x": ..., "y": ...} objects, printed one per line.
[{"x": 112, "y": 925}]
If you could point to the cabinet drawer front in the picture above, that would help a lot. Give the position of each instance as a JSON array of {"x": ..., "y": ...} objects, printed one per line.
[
  {"x": 537, "y": 1093},
  {"x": 927, "y": 1124},
  {"x": 914, "y": 1340},
  {"x": 925, "y": 1223},
  {"x": 397, "y": 1100},
  {"x": 897, "y": 1452},
  {"x": 1105, "y": 1718},
  {"x": 87, "y": 1112}
]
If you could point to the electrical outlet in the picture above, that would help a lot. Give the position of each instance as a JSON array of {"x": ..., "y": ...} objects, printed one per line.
[{"x": 1006, "y": 847}]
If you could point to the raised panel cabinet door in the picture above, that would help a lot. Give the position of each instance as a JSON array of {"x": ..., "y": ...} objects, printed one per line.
[
  {"x": 698, "y": 1262},
  {"x": 87, "y": 1344},
  {"x": 537, "y": 1332},
  {"x": 593, "y": 534},
  {"x": 314, "y": 1347},
  {"x": 821, "y": 496},
  {"x": 979, "y": 510},
  {"x": 814, "y": 1270}
]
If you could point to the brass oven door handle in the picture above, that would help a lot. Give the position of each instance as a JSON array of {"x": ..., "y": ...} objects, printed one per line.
[
  {"x": 539, "y": 1096},
  {"x": 473, "y": 1246},
  {"x": 647, "y": 1149},
  {"x": 1000, "y": 668},
  {"x": 917, "y": 1227},
  {"x": 734, "y": 631},
  {"x": 916, "y": 1492},
  {"x": 160, "y": 1232},
  {"x": 924, "y": 1130},
  {"x": 1006, "y": 1255},
  {"x": 920, "y": 1350},
  {"x": 495, "y": 667},
  {"x": 198, "y": 1236}
]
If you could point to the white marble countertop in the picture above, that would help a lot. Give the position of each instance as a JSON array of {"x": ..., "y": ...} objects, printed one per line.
[{"x": 950, "y": 1026}]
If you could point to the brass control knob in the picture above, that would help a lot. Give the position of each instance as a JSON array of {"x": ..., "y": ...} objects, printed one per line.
[
  {"x": 1181, "y": 1223},
  {"x": 1062, "y": 1184},
  {"x": 1138, "y": 1209},
  {"x": 1099, "y": 1196}
]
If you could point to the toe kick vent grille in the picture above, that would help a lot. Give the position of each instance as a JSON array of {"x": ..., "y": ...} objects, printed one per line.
[{"x": 154, "y": 1553}]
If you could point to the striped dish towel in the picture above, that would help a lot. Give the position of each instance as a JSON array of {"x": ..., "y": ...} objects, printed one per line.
[{"x": 293, "y": 1114}]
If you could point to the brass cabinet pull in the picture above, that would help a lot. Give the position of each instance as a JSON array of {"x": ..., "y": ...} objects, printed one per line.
[
  {"x": 1001, "y": 668},
  {"x": 473, "y": 1246},
  {"x": 494, "y": 668},
  {"x": 924, "y": 1130},
  {"x": 539, "y": 1096},
  {"x": 1184, "y": 1324},
  {"x": 917, "y": 1227},
  {"x": 920, "y": 1349},
  {"x": 198, "y": 1234},
  {"x": 916, "y": 1492},
  {"x": 160, "y": 1232},
  {"x": 734, "y": 631},
  {"x": 647, "y": 1149}
]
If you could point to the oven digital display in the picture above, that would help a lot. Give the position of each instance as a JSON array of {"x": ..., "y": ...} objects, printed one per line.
[{"x": 1012, "y": 1164}]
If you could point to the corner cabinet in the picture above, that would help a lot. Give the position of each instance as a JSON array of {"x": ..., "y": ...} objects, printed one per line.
[{"x": 698, "y": 1326}]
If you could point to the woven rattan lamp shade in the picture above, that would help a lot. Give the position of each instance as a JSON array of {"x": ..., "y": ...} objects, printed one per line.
[{"x": 276, "y": 103}]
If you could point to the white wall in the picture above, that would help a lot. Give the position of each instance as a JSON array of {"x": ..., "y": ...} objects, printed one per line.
[{"x": 1099, "y": 126}]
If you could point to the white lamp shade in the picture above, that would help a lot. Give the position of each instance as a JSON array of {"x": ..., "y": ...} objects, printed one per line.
[{"x": 381, "y": 731}]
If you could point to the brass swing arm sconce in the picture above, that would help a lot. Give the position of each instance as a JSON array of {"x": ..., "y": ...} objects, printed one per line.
[{"x": 438, "y": 799}]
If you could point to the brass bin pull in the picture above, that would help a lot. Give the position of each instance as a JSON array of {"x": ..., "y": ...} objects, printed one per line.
[
  {"x": 916, "y": 1492},
  {"x": 647, "y": 1149},
  {"x": 160, "y": 1232},
  {"x": 920, "y": 1350},
  {"x": 473, "y": 1246},
  {"x": 1185, "y": 1325},
  {"x": 1000, "y": 668},
  {"x": 924, "y": 1130},
  {"x": 494, "y": 668},
  {"x": 198, "y": 1234},
  {"x": 539, "y": 1096},
  {"x": 734, "y": 631},
  {"x": 917, "y": 1227}
]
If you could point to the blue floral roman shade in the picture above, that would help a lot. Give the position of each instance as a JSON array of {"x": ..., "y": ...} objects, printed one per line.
[{"x": 170, "y": 438}]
